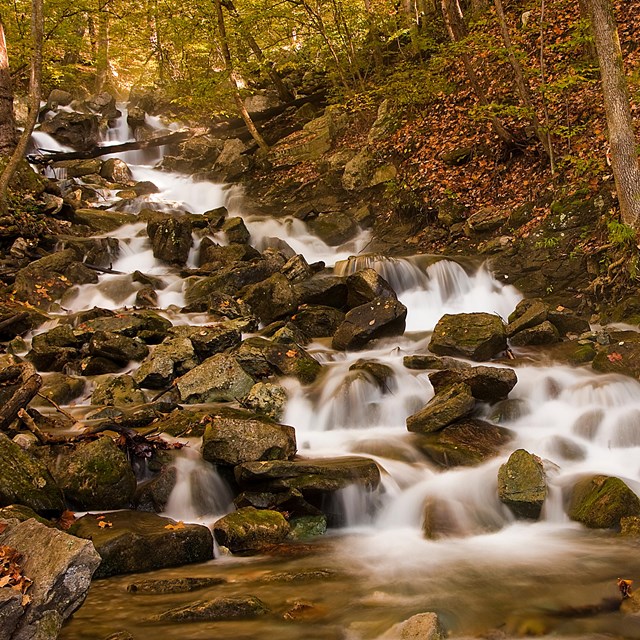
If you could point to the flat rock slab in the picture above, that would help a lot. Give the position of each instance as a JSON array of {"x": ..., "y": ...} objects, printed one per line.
[
  {"x": 477, "y": 336},
  {"x": 216, "y": 609},
  {"x": 60, "y": 567},
  {"x": 135, "y": 541},
  {"x": 320, "y": 475},
  {"x": 488, "y": 384},
  {"x": 172, "y": 585},
  {"x": 447, "y": 406}
]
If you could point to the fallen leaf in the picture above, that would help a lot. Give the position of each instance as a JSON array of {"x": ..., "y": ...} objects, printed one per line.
[
  {"x": 5, "y": 581},
  {"x": 105, "y": 524},
  {"x": 26, "y": 600},
  {"x": 177, "y": 525},
  {"x": 614, "y": 357},
  {"x": 291, "y": 353},
  {"x": 3, "y": 526}
]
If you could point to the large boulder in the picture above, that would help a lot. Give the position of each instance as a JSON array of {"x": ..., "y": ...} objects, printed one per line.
[
  {"x": 488, "y": 384},
  {"x": 78, "y": 130},
  {"x": 464, "y": 443},
  {"x": 117, "y": 348},
  {"x": 528, "y": 313},
  {"x": 218, "y": 378},
  {"x": 447, "y": 406},
  {"x": 317, "y": 321},
  {"x": 542, "y": 334},
  {"x": 328, "y": 290},
  {"x": 94, "y": 475},
  {"x": 233, "y": 440},
  {"x": 364, "y": 171},
  {"x": 117, "y": 391},
  {"x": 60, "y": 567},
  {"x": 135, "y": 541},
  {"x": 522, "y": 484},
  {"x": 249, "y": 529},
  {"x": 310, "y": 476},
  {"x": 622, "y": 356},
  {"x": 116, "y": 170},
  {"x": 600, "y": 502},
  {"x": 267, "y": 399},
  {"x": 477, "y": 336},
  {"x": 25, "y": 480},
  {"x": 366, "y": 285},
  {"x": 380, "y": 318},
  {"x": 334, "y": 227},
  {"x": 173, "y": 357},
  {"x": 272, "y": 298}
]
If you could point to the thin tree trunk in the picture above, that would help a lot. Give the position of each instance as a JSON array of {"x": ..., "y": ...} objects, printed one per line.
[
  {"x": 456, "y": 32},
  {"x": 37, "y": 29},
  {"x": 102, "y": 49},
  {"x": 233, "y": 79},
  {"x": 590, "y": 47},
  {"x": 374, "y": 36},
  {"x": 521, "y": 83},
  {"x": 8, "y": 135},
  {"x": 624, "y": 157}
]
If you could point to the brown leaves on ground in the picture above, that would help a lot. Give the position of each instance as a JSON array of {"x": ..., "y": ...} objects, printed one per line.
[
  {"x": 11, "y": 575},
  {"x": 625, "y": 587}
]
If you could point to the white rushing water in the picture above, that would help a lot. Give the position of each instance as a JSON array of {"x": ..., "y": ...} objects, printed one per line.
[{"x": 577, "y": 421}]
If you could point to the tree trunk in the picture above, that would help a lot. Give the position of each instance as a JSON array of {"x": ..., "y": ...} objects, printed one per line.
[
  {"x": 521, "y": 83},
  {"x": 102, "y": 48},
  {"x": 233, "y": 79},
  {"x": 624, "y": 157},
  {"x": 8, "y": 136},
  {"x": 35, "y": 90},
  {"x": 457, "y": 31}
]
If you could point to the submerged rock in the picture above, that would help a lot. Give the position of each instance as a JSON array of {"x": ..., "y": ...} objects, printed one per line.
[
  {"x": 522, "y": 484},
  {"x": 600, "y": 502},
  {"x": 249, "y": 529},
  {"x": 447, "y": 406},
  {"x": 172, "y": 585},
  {"x": 60, "y": 567},
  {"x": 422, "y": 626},
  {"x": 477, "y": 336},
  {"x": 134, "y": 541},
  {"x": 216, "y": 609}
]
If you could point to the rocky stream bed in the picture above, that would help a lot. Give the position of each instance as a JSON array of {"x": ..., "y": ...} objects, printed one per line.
[{"x": 298, "y": 437}]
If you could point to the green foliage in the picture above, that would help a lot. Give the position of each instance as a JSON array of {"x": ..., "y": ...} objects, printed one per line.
[{"x": 621, "y": 234}]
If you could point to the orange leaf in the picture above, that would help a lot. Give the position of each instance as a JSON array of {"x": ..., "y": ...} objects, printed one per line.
[
  {"x": 104, "y": 524},
  {"x": 177, "y": 525},
  {"x": 614, "y": 357},
  {"x": 291, "y": 353}
]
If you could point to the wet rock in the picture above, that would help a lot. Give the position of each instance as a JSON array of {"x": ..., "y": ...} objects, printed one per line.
[
  {"x": 185, "y": 422},
  {"x": 117, "y": 347},
  {"x": 296, "y": 269},
  {"x": 310, "y": 476},
  {"x": 572, "y": 352},
  {"x": 238, "y": 608},
  {"x": 153, "y": 494},
  {"x": 11, "y": 610},
  {"x": 93, "y": 475},
  {"x": 100, "y": 252},
  {"x": 146, "y": 325},
  {"x": 422, "y": 626},
  {"x": 19, "y": 319},
  {"x": 623, "y": 356},
  {"x": 380, "y": 373},
  {"x": 77, "y": 130},
  {"x": 117, "y": 391},
  {"x": 60, "y": 576},
  {"x": 445, "y": 407},
  {"x": 629, "y": 526},
  {"x": 509, "y": 410},
  {"x": 365, "y": 285},
  {"x": 218, "y": 378},
  {"x": 97, "y": 366},
  {"x": 327, "y": 290},
  {"x": 464, "y": 443},
  {"x": 232, "y": 440},
  {"x": 212, "y": 255},
  {"x": 421, "y": 362},
  {"x": 21, "y": 513},
  {"x": 116, "y": 170},
  {"x": 172, "y": 585},
  {"x": 61, "y": 388},
  {"x": 100, "y": 221},
  {"x": 171, "y": 239},
  {"x": 25, "y": 480},
  {"x": 439, "y": 521},
  {"x": 522, "y": 484},
  {"x": 103, "y": 103},
  {"x": 267, "y": 399},
  {"x": 317, "y": 321},
  {"x": 207, "y": 341},
  {"x": 380, "y": 318},
  {"x": 249, "y": 530},
  {"x": 262, "y": 358},
  {"x": 290, "y": 501},
  {"x": 173, "y": 357},
  {"x": 477, "y": 336},
  {"x": 541, "y": 334},
  {"x": 271, "y": 299},
  {"x": 236, "y": 230},
  {"x": 488, "y": 384},
  {"x": 307, "y": 527},
  {"x": 334, "y": 228},
  {"x": 232, "y": 161},
  {"x": 567, "y": 322},
  {"x": 528, "y": 313},
  {"x": 600, "y": 502},
  {"x": 134, "y": 541}
]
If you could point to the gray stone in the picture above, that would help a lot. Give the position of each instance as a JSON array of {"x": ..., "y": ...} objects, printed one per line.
[
  {"x": 271, "y": 299},
  {"x": 366, "y": 285},
  {"x": 236, "y": 230},
  {"x": 528, "y": 313},
  {"x": 60, "y": 567},
  {"x": 334, "y": 227},
  {"x": 489, "y": 384},
  {"x": 267, "y": 399},
  {"x": 117, "y": 391},
  {"x": 175, "y": 356},
  {"x": 116, "y": 170}
]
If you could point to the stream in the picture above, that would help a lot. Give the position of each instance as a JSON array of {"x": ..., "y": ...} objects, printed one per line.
[{"x": 492, "y": 576}]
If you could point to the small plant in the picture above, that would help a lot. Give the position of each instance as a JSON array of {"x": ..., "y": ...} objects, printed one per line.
[
  {"x": 547, "y": 243},
  {"x": 621, "y": 234}
]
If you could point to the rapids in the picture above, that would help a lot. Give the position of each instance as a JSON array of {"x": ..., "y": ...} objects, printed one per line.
[{"x": 491, "y": 572}]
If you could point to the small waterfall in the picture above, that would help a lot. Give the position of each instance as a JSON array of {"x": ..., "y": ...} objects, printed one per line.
[{"x": 200, "y": 494}]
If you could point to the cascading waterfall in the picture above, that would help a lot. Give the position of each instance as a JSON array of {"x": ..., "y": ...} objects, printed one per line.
[{"x": 577, "y": 421}]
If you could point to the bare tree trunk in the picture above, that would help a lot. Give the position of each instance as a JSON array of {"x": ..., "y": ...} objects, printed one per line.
[
  {"x": 374, "y": 36},
  {"x": 233, "y": 79},
  {"x": 624, "y": 157},
  {"x": 102, "y": 48},
  {"x": 521, "y": 83},
  {"x": 457, "y": 31},
  {"x": 8, "y": 135},
  {"x": 590, "y": 47},
  {"x": 35, "y": 90}
]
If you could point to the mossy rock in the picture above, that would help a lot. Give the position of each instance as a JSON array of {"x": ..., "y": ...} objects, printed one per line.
[
  {"x": 600, "y": 502},
  {"x": 447, "y": 406},
  {"x": 26, "y": 481},
  {"x": 621, "y": 357},
  {"x": 522, "y": 484},
  {"x": 94, "y": 475},
  {"x": 222, "y": 608},
  {"x": 477, "y": 336},
  {"x": 249, "y": 530}
]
